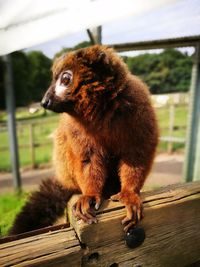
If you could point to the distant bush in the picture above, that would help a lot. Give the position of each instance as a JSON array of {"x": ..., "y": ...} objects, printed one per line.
[{"x": 167, "y": 72}]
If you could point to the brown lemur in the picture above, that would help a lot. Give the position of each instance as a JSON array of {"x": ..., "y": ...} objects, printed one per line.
[{"x": 105, "y": 142}]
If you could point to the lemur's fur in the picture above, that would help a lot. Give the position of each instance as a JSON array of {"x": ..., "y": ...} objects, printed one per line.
[{"x": 105, "y": 142}]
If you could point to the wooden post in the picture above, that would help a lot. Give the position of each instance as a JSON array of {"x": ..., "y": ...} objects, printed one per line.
[
  {"x": 192, "y": 158},
  {"x": 171, "y": 124},
  {"x": 10, "y": 105},
  {"x": 32, "y": 145}
]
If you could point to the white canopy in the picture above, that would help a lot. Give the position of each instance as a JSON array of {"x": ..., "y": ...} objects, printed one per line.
[{"x": 25, "y": 23}]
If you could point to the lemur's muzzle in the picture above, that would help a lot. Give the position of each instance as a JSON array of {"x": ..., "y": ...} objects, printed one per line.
[
  {"x": 46, "y": 101},
  {"x": 54, "y": 103}
]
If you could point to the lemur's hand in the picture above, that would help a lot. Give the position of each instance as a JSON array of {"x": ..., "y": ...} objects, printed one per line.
[
  {"x": 134, "y": 208},
  {"x": 84, "y": 208}
]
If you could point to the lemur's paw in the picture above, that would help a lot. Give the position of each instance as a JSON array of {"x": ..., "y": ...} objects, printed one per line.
[
  {"x": 134, "y": 208},
  {"x": 84, "y": 208}
]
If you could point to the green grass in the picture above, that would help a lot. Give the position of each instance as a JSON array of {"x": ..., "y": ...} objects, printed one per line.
[
  {"x": 181, "y": 114},
  {"x": 43, "y": 128},
  {"x": 180, "y": 123},
  {"x": 24, "y": 114},
  {"x": 10, "y": 205}
]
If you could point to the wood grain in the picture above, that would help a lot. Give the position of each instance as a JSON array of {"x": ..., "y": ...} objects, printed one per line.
[
  {"x": 35, "y": 232},
  {"x": 171, "y": 223},
  {"x": 56, "y": 248}
]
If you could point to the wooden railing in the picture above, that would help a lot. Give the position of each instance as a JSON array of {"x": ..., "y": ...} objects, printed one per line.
[{"x": 171, "y": 224}]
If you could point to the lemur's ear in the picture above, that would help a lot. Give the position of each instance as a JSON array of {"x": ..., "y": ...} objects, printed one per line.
[
  {"x": 93, "y": 56},
  {"x": 102, "y": 57},
  {"x": 79, "y": 53}
]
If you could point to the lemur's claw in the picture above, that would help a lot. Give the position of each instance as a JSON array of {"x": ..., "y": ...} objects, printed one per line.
[
  {"x": 134, "y": 209},
  {"x": 85, "y": 207}
]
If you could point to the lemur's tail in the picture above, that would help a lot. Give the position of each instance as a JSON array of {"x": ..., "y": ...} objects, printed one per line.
[{"x": 42, "y": 208}]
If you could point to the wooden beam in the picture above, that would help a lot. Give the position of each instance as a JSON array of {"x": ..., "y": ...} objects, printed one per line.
[
  {"x": 171, "y": 223},
  {"x": 157, "y": 44},
  {"x": 57, "y": 248},
  {"x": 47, "y": 229}
]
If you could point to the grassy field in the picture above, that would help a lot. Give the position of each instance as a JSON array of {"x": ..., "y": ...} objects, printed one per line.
[
  {"x": 45, "y": 124},
  {"x": 180, "y": 125},
  {"x": 10, "y": 205},
  {"x": 43, "y": 127}
]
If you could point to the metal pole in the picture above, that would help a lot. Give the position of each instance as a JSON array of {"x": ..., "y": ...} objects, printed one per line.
[
  {"x": 196, "y": 175},
  {"x": 95, "y": 35},
  {"x": 10, "y": 104},
  {"x": 192, "y": 157}
]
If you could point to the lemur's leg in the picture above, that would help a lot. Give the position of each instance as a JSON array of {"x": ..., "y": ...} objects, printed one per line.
[
  {"x": 132, "y": 179},
  {"x": 91, "y": 182}
]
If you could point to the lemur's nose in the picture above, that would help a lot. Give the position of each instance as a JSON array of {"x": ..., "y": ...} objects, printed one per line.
[{"x": 46, "y": 102}]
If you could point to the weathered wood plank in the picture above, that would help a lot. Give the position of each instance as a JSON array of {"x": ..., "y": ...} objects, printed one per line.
[
  {"x": 56, "y": 248},
  {"x": 35, "y": 232},
  {"x": 171, "y": 223}
]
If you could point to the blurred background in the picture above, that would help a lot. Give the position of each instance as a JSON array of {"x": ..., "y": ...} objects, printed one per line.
[{"x": 158, "y": 40}]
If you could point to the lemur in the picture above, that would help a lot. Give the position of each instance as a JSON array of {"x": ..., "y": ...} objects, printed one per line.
[{"x": 105, "y": 143}]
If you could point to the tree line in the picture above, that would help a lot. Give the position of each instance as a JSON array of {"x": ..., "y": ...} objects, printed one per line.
[{"x": 167, "y": 72}]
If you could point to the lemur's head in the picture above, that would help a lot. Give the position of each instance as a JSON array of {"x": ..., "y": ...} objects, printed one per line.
[{"x": 85, "y": 81}]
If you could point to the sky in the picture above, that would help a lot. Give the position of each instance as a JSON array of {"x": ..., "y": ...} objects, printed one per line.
[{"x": 174, "y": 20}]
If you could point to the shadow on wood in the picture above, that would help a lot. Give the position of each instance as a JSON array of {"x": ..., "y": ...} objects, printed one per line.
[{"x": 171, "y": 224}]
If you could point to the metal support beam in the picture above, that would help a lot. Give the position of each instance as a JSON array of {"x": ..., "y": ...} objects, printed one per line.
[
  {"x": 157, "y": 44},
  {"x": 10, "y": 104},
  {"x": 95, "y": 35},
  {"x": 192, "y": 158}
]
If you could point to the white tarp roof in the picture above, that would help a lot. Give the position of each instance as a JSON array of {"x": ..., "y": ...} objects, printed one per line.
[
  {"x": 175, "y": 20},
  {"x": 25, "y": 23}
]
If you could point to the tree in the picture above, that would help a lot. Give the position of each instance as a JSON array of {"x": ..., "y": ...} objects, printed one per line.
[
  {"x": 2, "y": 91},
  {"x": 169, "y": 71},
  {"x": 39, "y": 74},
  {"x": 20, "y": 67}
]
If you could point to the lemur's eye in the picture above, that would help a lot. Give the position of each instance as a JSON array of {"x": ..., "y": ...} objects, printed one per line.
[{"x": 66, "y": 78}]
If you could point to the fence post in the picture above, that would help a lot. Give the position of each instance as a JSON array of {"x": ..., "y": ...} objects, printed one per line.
[
  {"x": 171, "y": 125},
  {"x": 32, "y": 145}
]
